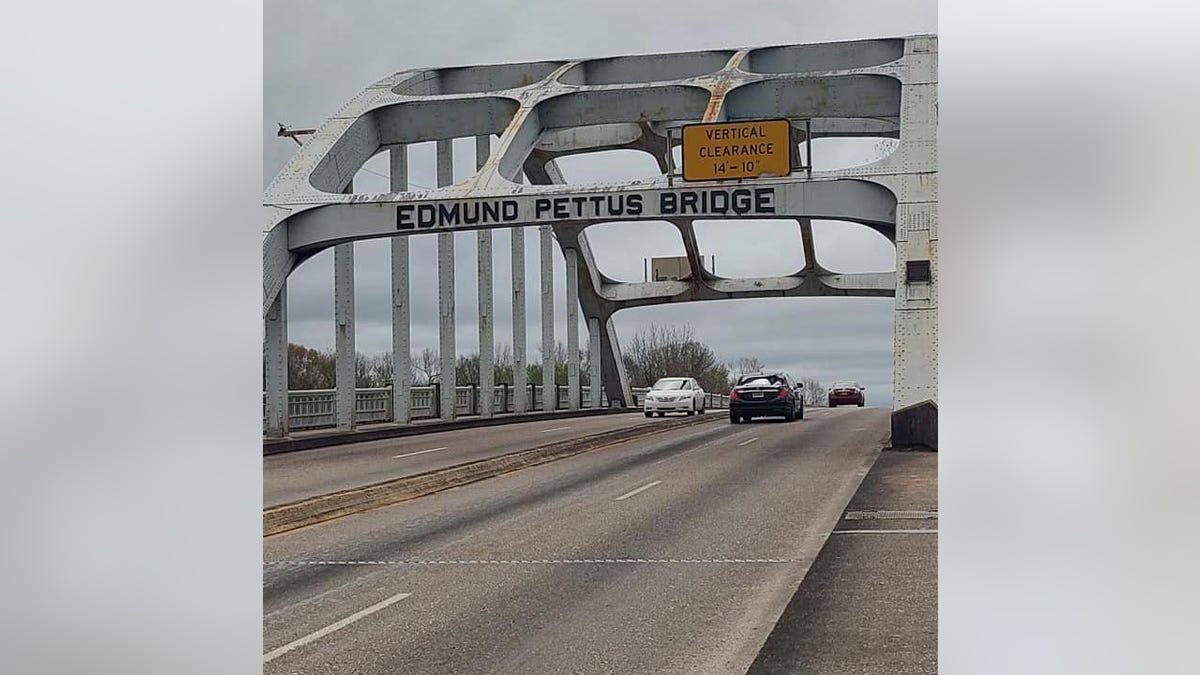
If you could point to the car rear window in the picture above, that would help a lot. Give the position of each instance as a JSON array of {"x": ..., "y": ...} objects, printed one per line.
[{"x": 761, "y": 381}]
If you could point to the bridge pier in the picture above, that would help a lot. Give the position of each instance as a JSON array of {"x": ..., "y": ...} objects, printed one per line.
[{"x": 573, "y": 393}]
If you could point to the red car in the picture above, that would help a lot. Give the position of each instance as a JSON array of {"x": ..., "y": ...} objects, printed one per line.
[{"x": 842, "y": 393}]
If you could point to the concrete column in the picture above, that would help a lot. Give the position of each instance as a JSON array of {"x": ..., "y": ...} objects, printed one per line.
[
  {"x": 487, "y": 336},
  {"x": 520, "y": 392},
  {"x": 572, "y": 258},
  {"x": 547, "y": 278},
  {"x": 401, "y": 338},
  {"x": 343, "y": 302},
  {"x": 275, "y": 365},
  {"x": 594, "y": 362},
  {"x": 446, "y": 345}
]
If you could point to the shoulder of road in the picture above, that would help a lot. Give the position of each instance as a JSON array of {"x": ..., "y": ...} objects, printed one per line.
[{"x": 869, "y": 603}]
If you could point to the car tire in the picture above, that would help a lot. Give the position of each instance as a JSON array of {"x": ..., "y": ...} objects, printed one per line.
[
  {"x": 691, "y": 412},
  {"x": 649, "y": 414},
  {"x": 790, "y": 416},
  {"x": 800, "y": 416},
  {"x": 734, "y": 419},
  {"x": 861, "y": 403}
]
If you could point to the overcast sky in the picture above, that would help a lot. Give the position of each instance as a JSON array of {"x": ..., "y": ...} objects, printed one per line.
[{"x": 318, "y": 55}]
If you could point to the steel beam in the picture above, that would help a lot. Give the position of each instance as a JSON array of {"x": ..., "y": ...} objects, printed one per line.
[
  {"x": 487, "y": 337},
  {"x": 572, "y": 258},
  {"x": 549, "y": 397},
  {"x": 447, "y": 347},
  {"x": 401, "y": 313},
  {"x": 343, "y": 301},
  {"x": 520, "y": 374},
  {"x": 597, "y": 398},
  {"x": 275, "y": 366}
]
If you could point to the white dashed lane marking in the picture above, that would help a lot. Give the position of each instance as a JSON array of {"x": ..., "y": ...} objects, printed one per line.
[
  {"x": 317, "y": 635},
  {"x": 419, "y": 452},
  {"x": 747, "y": 442},
  {"x": 631, "y": 493}
]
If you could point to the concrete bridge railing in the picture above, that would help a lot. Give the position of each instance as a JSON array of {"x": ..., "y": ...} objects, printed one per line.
[{"x": 317, "y": 408}]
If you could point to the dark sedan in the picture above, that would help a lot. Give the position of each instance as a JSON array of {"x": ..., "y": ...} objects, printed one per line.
[
  {"x": 770, "y": 394},
  {"x": 846, "y": 393}
]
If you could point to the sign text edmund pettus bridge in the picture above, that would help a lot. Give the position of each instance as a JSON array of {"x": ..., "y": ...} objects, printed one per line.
[{"x": 712, "y": 202}]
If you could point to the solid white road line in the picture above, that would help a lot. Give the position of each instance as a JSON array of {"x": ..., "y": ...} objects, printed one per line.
[
  {"x": 546, "y": 431},
  {"x": 419, "y": 452},
  {"x": 747, "y": 442},
  {"x": 276, "y": 653},
  {"x": 934, "y": 531},
  {"x": 647, "y": 486}
]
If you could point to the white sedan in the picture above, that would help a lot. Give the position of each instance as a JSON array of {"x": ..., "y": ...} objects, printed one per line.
[{"x": 674, "y": 394}]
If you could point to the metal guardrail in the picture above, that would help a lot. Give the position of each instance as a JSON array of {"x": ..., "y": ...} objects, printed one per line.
[{"x": 316, "y": 408}]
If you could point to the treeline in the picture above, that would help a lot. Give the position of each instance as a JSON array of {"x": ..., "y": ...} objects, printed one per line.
[
  {"x": 653, "y": 353},
  {"x": 674, "y": 351},
  {"x": 316, "y": 369}
]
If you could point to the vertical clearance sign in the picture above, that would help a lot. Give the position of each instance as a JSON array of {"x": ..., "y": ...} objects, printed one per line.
[{"x": 755, "y": 149}]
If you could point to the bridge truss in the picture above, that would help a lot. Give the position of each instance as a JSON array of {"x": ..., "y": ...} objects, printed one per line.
[{"x": 527, "y": 116}]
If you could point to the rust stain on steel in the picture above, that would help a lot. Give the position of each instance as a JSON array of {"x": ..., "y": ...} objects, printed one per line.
[{"x": 715, "y": 100}]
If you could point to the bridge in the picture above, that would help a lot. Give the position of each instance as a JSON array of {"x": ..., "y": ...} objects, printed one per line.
[
  {"x": 525, "y": 117},
  {"x": 538, "y": 527}
]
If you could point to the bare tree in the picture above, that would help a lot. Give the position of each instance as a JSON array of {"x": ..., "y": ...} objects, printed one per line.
[
  {"x": 466, "y": 370},
  {"x": 372, "y": 371},
  {"x": 747, "y": 365},
  {"x": 664, "y": 351},
  {"x": 425, "y": 366},
  {"x": 814, "y": 393}
]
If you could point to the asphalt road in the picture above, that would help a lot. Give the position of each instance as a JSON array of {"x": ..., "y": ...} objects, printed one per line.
[
  {"x": 674, "y": 553},
  {"x": 309, "y": 473}
]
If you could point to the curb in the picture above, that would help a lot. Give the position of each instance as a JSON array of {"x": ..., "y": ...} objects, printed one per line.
[
  {"x": 285, "y": 517},
  {"x": 332, "y": 438}
]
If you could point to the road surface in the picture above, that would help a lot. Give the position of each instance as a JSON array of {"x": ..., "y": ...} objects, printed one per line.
[
  {"x": 292, "y": 476},
  {"x": 674, "y": 553}
]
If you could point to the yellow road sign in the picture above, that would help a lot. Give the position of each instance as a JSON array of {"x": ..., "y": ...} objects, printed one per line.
[{"x": 724, "y": 150}]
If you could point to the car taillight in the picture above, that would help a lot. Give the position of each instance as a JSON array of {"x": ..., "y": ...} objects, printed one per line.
[
  {"x": 783, "y": 392},
  {"x": 732, "y": 394}
]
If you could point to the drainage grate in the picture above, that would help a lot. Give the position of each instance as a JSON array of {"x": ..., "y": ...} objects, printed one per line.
[{"x": 891, "y": 515}]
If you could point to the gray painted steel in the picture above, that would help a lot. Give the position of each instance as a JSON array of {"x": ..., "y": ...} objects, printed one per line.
[
  {"x": 594, "y": 361},
  {"x": 401, "y": 302},
  {"x": 343, "y": 301},
  {"x": 487, "y": 336},
  {"x": 572, "y": 259},
  {"x": 542, "y": 111},
  {"x": 545, "y": 236},
  {"x": 275, "y": 364},
  {"x": 447, "y": 345},
  {"x": 520, "y": 391}
]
